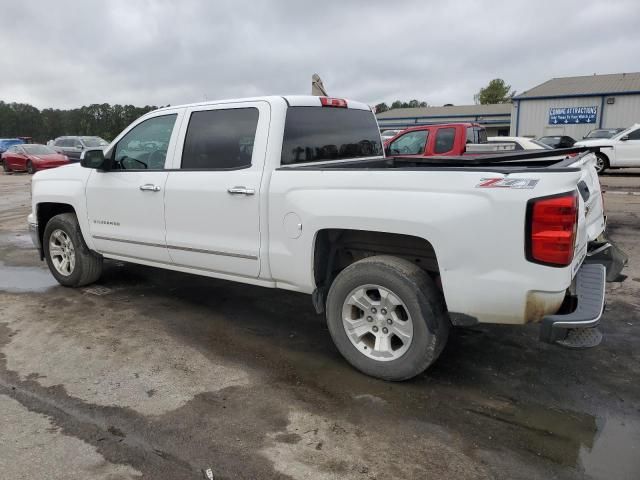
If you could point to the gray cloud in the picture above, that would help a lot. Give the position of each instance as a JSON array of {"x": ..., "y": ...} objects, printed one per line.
[{"x": 68, "y": 53}]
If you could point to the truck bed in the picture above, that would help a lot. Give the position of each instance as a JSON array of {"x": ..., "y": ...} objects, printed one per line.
[{"x": 547, "y": 160}]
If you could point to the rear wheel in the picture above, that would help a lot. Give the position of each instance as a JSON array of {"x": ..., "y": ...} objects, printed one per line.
[
  {"x": 602, "y": 162},
  {"x": 30, "y": 168},
  {"x": 68, "y": 257},
  {"x": 387, "y": 318}
]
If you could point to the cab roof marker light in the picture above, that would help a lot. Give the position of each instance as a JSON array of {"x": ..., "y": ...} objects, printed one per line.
[{"x": 333, "y": 102}]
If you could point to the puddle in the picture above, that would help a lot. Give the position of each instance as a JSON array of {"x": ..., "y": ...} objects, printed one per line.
[
  {"x": 25, "y": 279},
  {"x": 615, "y": 452}
]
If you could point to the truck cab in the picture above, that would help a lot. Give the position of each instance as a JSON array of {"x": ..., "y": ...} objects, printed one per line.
[{"x": 447, "y": 139}]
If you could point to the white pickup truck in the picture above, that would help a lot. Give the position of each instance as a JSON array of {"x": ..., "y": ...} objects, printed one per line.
[{"x": 295, "y": 193}]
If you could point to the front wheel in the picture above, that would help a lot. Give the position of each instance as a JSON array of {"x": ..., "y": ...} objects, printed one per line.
[
  {"x": 602, "y": 162},
  {"x": 68, "y": 257},
  {"x": 30, "y": 168},
  {"x": 6, "y": 168},
  {"x": 387, "y": 318}
]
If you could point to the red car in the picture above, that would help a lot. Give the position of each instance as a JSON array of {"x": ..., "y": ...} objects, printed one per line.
[{"x": 31, "y": 158}]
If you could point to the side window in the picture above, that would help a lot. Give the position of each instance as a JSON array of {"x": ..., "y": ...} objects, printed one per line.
[
  {"x": 220, "y": 139},
  {"x": 145, "y": 146},
  {"x": 411, "y": 143},
  {"x": 635, "y": 135},
  {"x": 61, "y": 143},
  {"x": 444, "y": 140},
  {"x": 77, "y": 144}
]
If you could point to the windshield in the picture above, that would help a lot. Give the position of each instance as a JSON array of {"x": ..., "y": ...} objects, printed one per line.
[
  {"x": 38, "y": 150},
  {"x": 540, "y": 144},
  {"x": 93, "y": 142},
  {"x": 601, "y": 133},
  {"x": 313, "y": 134}
]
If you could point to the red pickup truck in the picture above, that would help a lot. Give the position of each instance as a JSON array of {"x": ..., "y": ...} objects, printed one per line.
[{"x": 448, "y": 139}]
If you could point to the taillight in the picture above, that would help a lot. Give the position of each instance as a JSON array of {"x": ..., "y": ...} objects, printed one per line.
[
  {"x": 552, "y": 224},
  {"x": 333, "y": 102}
]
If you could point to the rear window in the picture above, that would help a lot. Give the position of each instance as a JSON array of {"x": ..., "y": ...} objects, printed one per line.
[
  {"x": 314, "y": 134},
  {"x": 444, "y": 140}
]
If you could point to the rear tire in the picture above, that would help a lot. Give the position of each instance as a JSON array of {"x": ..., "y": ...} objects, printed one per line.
[
  {"x": 68, "y": 257},
  {"x": 602, "y": 162},
  {"x": 30, "y": 167},
  {"x": 387, "y": 318}
]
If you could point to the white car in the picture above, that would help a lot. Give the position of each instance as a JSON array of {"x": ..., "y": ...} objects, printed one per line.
[
  {"x": 295, "y": 193},
  {"x": 387, "y": 134},
  {"x": 620, "y": 151},
  {"x": 520, "y": 143}
]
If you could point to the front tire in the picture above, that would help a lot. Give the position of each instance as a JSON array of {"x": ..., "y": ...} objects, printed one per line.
[
  {"x": 387, "y": 318},
  {"x": 6, "y": 168},
  {"x": 68, "y": 257},
  {"x": 30, "y": 168},
  {"x": 602, "y": 163}
]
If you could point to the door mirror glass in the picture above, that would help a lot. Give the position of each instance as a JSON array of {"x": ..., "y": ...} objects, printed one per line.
[
  {"x": 625, "y": 138},
  {"x": 93, "y": 158}
]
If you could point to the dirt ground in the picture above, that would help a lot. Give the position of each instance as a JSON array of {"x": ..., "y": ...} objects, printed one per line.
[{"x": 155, "y": 374}]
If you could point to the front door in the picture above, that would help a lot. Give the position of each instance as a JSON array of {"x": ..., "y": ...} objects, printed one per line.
[
  {"x": 212, "y": 201},
  {"x": 125, "y": 205},
  {"x": 411, "y": 143},
  {"x": 628, "y": 151}
]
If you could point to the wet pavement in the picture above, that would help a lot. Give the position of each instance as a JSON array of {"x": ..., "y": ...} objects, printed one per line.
[{"x": 156, "y": 374}]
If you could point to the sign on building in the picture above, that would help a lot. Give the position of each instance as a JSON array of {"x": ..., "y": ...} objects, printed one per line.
[{"x": 568, "y": 115}]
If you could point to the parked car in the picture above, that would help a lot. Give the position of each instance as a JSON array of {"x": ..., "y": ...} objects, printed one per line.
[
  {"x": 393, "y": 250},
  {"x": 602, "y": 133},
  {"x": 31, "y": 158},
  {"x": 445, "y": 139},
  {"x": 620, "y": 151},
  {"x": 558, "y": 141},
  {"x": 387, "y": 134},
  {"x": 520, "y": 143},
  {"x": 5, "y": 143},
  {"x": 73, "y": 146}
]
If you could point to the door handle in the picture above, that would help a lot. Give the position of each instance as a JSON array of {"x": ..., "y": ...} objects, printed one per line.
[
  {"x": 150, "y": 187},
  {"x": 241, "y": 191}
]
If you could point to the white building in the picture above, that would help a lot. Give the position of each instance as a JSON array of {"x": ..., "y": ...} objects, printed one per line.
[{"x": 575, "y": 105}]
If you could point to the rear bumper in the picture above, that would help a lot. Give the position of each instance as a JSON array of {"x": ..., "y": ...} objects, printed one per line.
[{"x": 590, "y": 295}]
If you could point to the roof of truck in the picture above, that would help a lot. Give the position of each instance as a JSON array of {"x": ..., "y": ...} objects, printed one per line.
[{"x": 291, "y": 100}]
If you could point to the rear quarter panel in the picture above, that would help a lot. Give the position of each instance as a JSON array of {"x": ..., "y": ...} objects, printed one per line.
[{"x": 477, "y": 233}]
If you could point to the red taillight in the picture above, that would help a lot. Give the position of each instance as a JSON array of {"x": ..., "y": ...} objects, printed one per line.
[
  {"x": 333, "y": 102},
  {"x": 551, "y": 229}
]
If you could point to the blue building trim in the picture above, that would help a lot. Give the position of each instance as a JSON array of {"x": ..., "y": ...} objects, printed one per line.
[
  {"x": 458, "y": 115},
  {"x": 601, "y": 111},
  {"x": 517, "y": 117},
  {"x": 579, "y": 95}
]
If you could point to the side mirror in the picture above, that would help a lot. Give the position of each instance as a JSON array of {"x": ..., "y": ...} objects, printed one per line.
[
  {"x": 625, "y": 138},
  {"x": 93, "y": 158}
]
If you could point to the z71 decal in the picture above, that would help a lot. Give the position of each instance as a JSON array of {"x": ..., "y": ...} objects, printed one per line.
[{"x": 508, "y": 183}]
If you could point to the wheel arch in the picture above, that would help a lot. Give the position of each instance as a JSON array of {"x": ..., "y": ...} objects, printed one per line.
[
  {"x": 45, "y": 211},
  {"x": 337, "y": 248}
]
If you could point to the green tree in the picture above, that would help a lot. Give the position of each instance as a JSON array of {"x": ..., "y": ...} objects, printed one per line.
[
  {"x": 381, "y": 107},
  {"x": 410, "y": 104},
  {"x": 496, "y": 92}
]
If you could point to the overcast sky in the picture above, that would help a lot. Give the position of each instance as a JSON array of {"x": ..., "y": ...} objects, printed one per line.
[{"x": 69, "y": 53}]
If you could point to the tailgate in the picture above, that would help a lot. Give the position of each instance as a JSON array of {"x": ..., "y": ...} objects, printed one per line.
[{"x": 591, "y": 196}]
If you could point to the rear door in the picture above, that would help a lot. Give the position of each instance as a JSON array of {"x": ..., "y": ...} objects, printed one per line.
[
  {"x": 212, "y": 202},
  {"x": 444, "y": 142},
  {"x": 628, "y": 151}
]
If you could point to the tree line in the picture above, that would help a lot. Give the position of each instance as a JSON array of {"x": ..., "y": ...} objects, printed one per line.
[
  {"x": 103, "y": 120},
  {"x": 497, "y": 91}
]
